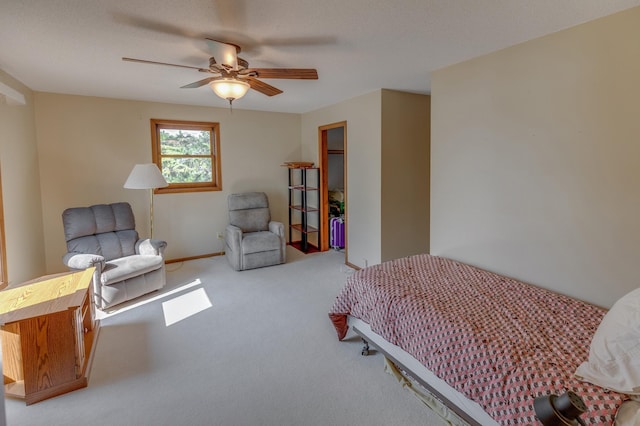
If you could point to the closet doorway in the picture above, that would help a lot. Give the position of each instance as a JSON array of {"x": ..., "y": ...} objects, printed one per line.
[{"x": 332, "y": 152}]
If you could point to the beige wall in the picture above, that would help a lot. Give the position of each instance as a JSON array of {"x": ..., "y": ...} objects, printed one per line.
[
  {"x": 387, "y": 156},
  {"x": 536, "y": 160},
  {"x": 20, "y": 186},
  {"x": 88, "y": 146},
  {"x": 363, "y": 117},
  {"x": 405, "y": 174}
]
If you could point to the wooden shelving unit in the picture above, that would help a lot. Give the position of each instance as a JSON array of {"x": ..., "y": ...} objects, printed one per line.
[
  {"x": 48, "y": 334},
  {"x": 304, "y": 211}
]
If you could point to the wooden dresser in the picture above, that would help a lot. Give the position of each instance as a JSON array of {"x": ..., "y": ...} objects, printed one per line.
[{"x": 48, "y": 332}]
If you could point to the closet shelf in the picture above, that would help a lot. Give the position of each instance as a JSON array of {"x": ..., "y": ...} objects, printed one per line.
[
  {"x": 302, "y": 208},
  {"x": 303, "y": 188},
  {"x": 301, "y": 228}
]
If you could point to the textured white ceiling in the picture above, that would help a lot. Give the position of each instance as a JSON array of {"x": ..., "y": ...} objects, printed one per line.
[{"x": 357, "y": 46}]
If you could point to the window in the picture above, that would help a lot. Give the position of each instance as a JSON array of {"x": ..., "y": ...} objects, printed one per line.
[{"x": 188, "y": 155}]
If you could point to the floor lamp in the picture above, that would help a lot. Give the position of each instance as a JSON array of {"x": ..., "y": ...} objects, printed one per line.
[{"x": 146, "y": 176}]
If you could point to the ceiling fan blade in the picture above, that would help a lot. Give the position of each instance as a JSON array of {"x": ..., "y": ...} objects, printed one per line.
[
  {"x": 293, "y": 73},
  {"x": 231, "y": 17},
  {"x": 263, "y": 87},
  {"x": 224, "y": 53},
  {"x": 199, "y": 83},
  {"x": 143, "y": 61},
  {"x": 299, "y": 41},
  {"x": 242, "y": 63},
  {"x": 151, "y": 25},
  {"x": 168, "y": 28}
]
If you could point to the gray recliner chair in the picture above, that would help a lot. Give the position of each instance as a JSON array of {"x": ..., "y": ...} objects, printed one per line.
[
  {"x": 104, "y": 236},
  {"x": 252, "y": 239}
]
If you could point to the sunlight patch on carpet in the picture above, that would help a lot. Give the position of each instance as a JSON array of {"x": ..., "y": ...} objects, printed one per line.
[
  {"x": 184, "y": 306},
  {"x": 146, "y": 299}
]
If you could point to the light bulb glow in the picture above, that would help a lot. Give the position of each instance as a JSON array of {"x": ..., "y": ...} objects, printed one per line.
[{"x": 229, "y": 89}]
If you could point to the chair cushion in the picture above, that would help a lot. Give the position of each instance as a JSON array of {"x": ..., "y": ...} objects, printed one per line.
[
  {"x": 248, "y": 200},
  {"x": 111, "y": 245},
  {"x": 249, "y": 211},
  {"x": 104, "y": 229},
  {"x": 83, "y": 221},
  {"x": 254, "y": 242},
  {"x": 252, "y": 220},
  {"x": 127, "y": 267}
]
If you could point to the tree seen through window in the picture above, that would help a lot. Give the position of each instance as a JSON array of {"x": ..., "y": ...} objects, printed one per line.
[{"x": 187, "y": 153}]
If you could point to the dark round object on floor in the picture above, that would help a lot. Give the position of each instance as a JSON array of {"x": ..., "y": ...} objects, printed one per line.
[{"x": 560, "y": 410}]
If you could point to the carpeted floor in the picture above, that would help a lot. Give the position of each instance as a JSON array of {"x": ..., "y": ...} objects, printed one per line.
[{"x": 263, "y": 353}]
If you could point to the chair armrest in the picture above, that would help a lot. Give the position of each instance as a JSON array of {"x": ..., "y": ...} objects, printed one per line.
[
  {"x": 84, "y": 261},
  {"x": 151, "y": 247},
  {"x": 233, "y": 237},
  {"x": 277, "y": 228}
]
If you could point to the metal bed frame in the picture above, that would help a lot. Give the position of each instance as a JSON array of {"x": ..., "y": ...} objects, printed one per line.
[{"x": 415, "y": 377}]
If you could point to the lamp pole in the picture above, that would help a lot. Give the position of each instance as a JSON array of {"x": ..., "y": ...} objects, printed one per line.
[
  {"x": 151, "y": 212},
  {"x": 146, "y": 176}
]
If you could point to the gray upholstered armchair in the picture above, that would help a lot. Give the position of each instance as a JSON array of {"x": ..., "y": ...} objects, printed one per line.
[
  {"x": 252, "y": 239},
  {"x": 104, "y": 236}
]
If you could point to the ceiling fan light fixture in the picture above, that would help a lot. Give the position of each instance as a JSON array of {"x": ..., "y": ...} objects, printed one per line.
[{"x": 229, "y": 89}]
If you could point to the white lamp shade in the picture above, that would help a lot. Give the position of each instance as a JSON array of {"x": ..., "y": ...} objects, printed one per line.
[
  {"x": 145, "y": 176},
  {"x": 229, "y": 89}
]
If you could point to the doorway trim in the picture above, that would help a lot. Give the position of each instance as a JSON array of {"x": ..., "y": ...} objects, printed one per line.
[
  {"x": 4, "y": 278},
  {"x": 324, "y": 183}
]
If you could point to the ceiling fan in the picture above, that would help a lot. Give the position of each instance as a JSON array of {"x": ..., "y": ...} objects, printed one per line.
[{"x": 231, "y": 76}]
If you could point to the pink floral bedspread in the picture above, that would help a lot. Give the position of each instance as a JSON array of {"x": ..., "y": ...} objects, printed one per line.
[{"x": 496, "y": 340}]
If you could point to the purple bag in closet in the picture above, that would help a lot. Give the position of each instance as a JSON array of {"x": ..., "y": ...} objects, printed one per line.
[{"x": 336, "y": 225}]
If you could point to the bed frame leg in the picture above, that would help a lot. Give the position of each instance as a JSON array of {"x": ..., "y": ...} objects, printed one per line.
[{"x": 365, "y": 348}]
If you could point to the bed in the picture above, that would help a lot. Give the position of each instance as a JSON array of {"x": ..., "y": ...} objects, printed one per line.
[{"x": 485, "y": 344}]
